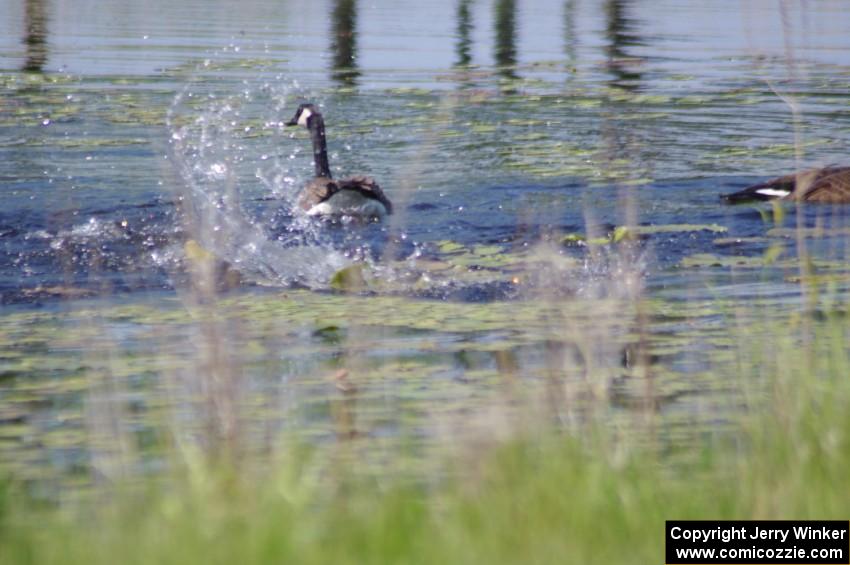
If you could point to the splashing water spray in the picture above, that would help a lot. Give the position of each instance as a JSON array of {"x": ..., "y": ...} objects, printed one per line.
[{"x": 226, "y": 158}]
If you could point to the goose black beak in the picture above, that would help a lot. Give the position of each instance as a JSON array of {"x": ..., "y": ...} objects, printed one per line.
[{"x": 292, "y": 122}]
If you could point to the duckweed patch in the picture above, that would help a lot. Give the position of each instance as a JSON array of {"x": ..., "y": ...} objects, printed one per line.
[
  {"x": 459, "y": 355},
  {"x": 628, "y": 232}
]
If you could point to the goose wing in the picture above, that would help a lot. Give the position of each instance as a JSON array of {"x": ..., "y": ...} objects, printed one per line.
[{"x": 368, "y": 188}]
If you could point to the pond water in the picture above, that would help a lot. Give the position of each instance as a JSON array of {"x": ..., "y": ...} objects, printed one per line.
[{"x": 550, "y": 162}]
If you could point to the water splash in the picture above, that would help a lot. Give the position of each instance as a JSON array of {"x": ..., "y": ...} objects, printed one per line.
[{"x": 237, "y": 189}]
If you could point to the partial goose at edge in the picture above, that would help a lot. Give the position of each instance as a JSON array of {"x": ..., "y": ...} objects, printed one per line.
[{"x": 830, "y": 185}]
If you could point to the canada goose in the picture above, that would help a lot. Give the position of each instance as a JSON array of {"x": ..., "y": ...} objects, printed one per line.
[
  {"x": 829, "y": 184},
  {"x": 355, "y": 196}
]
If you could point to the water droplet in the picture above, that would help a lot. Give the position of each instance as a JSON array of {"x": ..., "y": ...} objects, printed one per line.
[
  {"x": 45, "y": 122},
  {"x": 218, "y": 170}
]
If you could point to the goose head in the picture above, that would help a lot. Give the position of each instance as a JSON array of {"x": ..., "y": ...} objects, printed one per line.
[{"x": 303, "y": 115}]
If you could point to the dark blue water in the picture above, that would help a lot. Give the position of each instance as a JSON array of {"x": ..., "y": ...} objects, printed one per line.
[{"x": 136, "y": 244}]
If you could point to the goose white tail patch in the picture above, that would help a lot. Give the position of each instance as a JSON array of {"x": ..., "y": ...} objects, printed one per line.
[
  {"x": 349, "y": 203},
  {"x": 321, "y": 209},
  {"x": 773, "y": 192},
  {"x": 305, "y": 115}
]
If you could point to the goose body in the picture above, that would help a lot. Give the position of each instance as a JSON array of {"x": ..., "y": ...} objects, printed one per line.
[
  {"x": 357, "y": 196},
  {"x": 828, "y": 185}
]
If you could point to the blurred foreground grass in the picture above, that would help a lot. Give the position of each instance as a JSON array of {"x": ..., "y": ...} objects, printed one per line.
[{"x": 540, "y": 497}]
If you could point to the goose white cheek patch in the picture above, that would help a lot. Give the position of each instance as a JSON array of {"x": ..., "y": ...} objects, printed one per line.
[
  {"x": 305, "y": 115},
  {"x": 773, "y": 192}
]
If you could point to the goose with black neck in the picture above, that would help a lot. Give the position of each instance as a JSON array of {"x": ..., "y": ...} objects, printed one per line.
[{"x": 357, "y": 196}]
